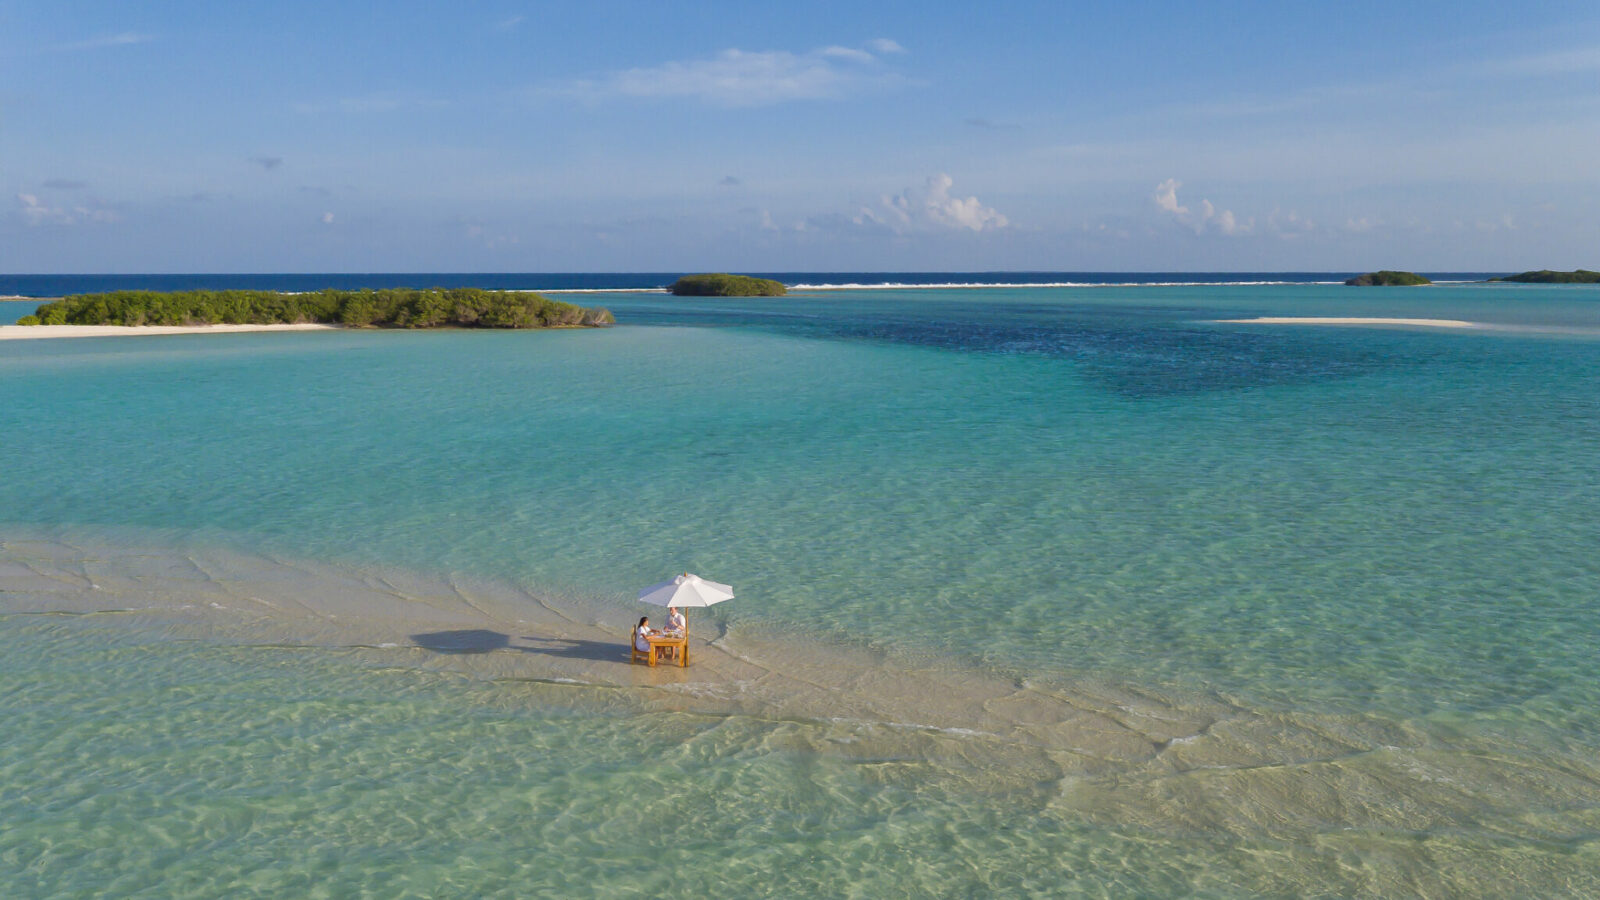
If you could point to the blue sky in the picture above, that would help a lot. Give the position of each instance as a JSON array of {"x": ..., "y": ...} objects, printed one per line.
[{"x": 664, "y": 136}]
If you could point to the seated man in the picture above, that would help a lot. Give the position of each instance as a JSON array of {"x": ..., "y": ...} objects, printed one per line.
[{"x": 676, "y": 625}]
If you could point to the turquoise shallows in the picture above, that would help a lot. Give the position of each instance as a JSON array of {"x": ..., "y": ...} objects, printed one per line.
[{"x": 1387, "y": 532}]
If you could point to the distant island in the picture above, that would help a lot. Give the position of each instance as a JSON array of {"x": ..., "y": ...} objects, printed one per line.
[
  {"x": 1387, "y": 278},
  {"x": 720, "y": 284},
  {"x": 1545, "y": 276},
  {"x": 393, "y": 308}
]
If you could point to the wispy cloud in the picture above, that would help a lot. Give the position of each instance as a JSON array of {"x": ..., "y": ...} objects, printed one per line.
[
  {"x": 1555, "y": 62},
  {"x": 491, "y": 239},
  {"x": 850, "y": 53},
  {"x": 1292, "y": 225},
  {"x": 123, "y": 39},
  {"x": 370, "y": 103},
  {"x": 990, "y": 124},
  {"x": 36, "y": 213},
  {"x": 742, "y": 78},
  {"x": 1420, "y": 87},
  {"x": 65, "y": 184},
  {"x": 509, "y": 23},
  {"x": 730, "y": 181},
  {"x": 267, "y": 162}
]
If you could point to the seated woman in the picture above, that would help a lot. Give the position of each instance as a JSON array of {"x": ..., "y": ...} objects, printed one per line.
[
  {"x": 641, "y": 635},
  {"x": 676, "y": 625}
]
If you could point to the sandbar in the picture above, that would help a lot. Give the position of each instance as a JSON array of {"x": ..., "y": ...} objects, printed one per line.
[
  {"x": 26, "y": 332},
  {"x": 1096, "y": 747},
  {"x": 1353, "y": 320}
]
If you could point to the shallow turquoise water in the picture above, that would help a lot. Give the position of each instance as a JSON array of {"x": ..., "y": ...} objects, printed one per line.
[
  {"x": 1083, "y": 483},
  {"x": 12, "y": 310}
]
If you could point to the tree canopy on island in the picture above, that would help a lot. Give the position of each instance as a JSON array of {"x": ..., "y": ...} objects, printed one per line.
[
  {"x": 1546, "y": 276},
  {"x": 721, "y": 284},
  {"x": 393, "y": 307},
  {"x": 1387, "y": 278}
]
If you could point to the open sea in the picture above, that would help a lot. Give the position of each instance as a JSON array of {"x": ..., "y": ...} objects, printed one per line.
[{"x": 1060, "y": 587}]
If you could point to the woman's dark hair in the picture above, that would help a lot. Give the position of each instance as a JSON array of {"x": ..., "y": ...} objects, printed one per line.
[{"x": 643, "y": 619}]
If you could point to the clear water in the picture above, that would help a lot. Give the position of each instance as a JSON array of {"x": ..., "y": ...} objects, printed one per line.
[{"x": 1195, "y": 607}]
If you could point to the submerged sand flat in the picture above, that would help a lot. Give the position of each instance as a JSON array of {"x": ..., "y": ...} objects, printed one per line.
[
  {"x": 1106, "y": 750},
  {"x": 34, "y": 332},
  {"x": 1353, "y": 320}
]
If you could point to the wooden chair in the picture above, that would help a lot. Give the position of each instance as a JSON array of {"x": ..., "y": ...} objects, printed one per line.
[{"x": 635, "y": 654}]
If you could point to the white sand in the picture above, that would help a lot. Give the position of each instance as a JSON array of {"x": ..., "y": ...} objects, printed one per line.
[
  {"x": 25, "y": 332},
  {"x": 1350, "y": 320},
  {"x": 1089, "y": 747}
]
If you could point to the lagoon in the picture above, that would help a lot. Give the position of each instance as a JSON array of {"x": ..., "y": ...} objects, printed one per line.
[{"x": 1059, "y": 590}]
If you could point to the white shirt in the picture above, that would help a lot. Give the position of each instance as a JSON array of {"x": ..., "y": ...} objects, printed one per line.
[{"x": 641, "y": 638}]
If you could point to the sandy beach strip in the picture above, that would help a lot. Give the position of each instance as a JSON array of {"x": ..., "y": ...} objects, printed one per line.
[
  {"x": 28, "y": 332},
  {"x": 1352, "y": 320}
]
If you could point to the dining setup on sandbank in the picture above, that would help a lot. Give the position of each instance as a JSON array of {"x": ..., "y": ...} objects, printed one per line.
[{"x": 672, "y": 640}]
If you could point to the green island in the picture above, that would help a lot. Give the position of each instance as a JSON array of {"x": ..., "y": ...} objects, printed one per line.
[
  {"x": 392, "y": 307},
  {"x": 721, "y": 284},
  {"x": 1545, "y": 276},
  {"x": 1387, "y": 278}
]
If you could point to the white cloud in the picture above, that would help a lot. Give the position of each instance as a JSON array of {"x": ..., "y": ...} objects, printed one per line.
[
  {"x": 327, "y": 218},
  {"x": 931, "y": 208},
  {"x": 509, "y": 23},
  {"x": 745, "y": 78},
  {"x": 886, "y": 46},
  {"x": 1206, "y": 218},
  {"x": 1225, "y": 221},
  {"x": 849, "y": 53},
  {"x": 36, "y": 213},
  {"x": 110, "y": 40},
  {"x": 1166, "y": 197}
]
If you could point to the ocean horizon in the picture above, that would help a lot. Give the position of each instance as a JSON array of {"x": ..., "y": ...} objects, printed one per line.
[
  {"x": 1054, "y": 583},
  {"x": 56, "y": 285}
]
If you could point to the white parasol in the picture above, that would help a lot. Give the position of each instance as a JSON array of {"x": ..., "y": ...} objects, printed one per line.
[{"x": 686, "y": 590}]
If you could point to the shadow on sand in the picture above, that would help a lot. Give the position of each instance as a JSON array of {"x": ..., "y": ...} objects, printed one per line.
[
  {"x": 480, "y": 640},
  {"x": 599, "y": 651},
  {"x": 470, "y": 640}
]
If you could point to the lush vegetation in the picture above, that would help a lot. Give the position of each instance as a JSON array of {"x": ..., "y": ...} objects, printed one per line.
[
  {"x": 399, "y": 308},
  {"x": 1545, "y": 276},
  {"x": 724, "y": 285},
  {"x": 28, "y": 320},
  {"x": 1387, "y": 278}
]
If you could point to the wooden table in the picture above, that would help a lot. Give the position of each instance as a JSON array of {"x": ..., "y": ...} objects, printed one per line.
[{"x": 660, "y": 642}]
